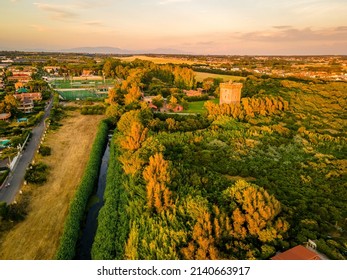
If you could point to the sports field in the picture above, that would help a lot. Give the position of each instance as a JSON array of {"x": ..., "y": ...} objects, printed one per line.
[
  {"x": 80, "y": 94},
  {"x": 61, "y": 84},
  {"x": 82, "y": 89}
]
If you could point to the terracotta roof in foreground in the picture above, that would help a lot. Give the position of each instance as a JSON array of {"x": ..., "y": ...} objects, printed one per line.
[{"x": 297, "y": 253}]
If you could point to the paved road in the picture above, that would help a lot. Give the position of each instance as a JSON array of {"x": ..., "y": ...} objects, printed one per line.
[{"x": 16, "y": 177}]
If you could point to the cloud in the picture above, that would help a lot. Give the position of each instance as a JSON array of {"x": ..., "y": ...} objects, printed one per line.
[
  {"x": 38, "y": 28},
  {"x": 165, "y": 2},
  {"x": 291, "y": 34},
  {"x": 95, "y": 23},
  {"x": 57, "y": 12},
  {"x": 282, "y": 26},
  {"x": 206, "y": 43},
  {"x": 92, "y": 4}
]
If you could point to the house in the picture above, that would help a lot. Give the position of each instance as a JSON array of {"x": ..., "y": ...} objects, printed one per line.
[
  {"x": 19, "y": 85},
  {"x": 51, "y": 69},
  {"x": 35, "y": 96},
  {"x": 87, "y": 73},
  {"x": 177, "y": 108},
  {"x": 297, "y": 253},
  {"x": 5, "y": 116},
  {"x": 26, "y": 105},
  {"x": 148, "y": 100},
  {"x": 23, "y": 79},
  {"x": 192, "y": 92}
]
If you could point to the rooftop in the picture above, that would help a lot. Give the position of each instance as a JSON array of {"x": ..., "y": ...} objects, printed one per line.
[{"x": 297, "y": 253}]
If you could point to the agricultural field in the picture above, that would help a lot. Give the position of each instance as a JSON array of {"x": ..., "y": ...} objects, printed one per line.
[
  {"x": 37, "y": 236},
  {"x": 200, "y": 76},
  {"x": 160, "y": 60}
]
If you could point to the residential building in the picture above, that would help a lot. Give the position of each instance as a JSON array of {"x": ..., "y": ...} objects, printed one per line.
[
  {"x": 26, "y": 105},
  {"x": 5, "y": 116},
  {"x": 192, "y": 92},
  {"x": 35, "y": 96},
  {"x": 297, "y": 253}
]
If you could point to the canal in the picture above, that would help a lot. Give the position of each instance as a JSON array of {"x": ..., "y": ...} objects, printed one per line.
[{"x": 86, "y": 239}]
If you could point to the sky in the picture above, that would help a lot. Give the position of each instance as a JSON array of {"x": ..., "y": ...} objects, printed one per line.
[{"x": 231, "y": 27}]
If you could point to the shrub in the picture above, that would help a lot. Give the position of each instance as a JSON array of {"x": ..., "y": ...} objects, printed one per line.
[
  {"x": 45, "y": 151},
  {"x": 3, "y": 210},
  {"x": 37, "y": 173},
  {"x": 69, "y": 238},
  {"x": 93, "y": 110},
  {"x": 3, "y": 175}
]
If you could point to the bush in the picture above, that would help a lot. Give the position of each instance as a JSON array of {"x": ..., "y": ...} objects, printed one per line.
[
  {"x": 3, "y": 210},
  {"x": 69, "y": 238},
  {"x": 37, "y": 173},
  {"x": 3, "y": 175},
  {"x": 45, "y": 151}
]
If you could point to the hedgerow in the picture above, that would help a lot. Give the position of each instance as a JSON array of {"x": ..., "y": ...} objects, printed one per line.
[{"x": 69, "y": 238}]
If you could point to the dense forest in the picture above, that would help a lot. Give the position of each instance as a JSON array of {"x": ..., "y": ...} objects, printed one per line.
[{"x": 239, "y": 182}]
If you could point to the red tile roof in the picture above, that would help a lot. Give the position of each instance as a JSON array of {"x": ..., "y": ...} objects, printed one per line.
[{"x": 297, "y": 253}]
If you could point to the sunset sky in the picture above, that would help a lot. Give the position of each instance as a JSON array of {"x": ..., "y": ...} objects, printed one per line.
[{"x": 192, "y": 26}]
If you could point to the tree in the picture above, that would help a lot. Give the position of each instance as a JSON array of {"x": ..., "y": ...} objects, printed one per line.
[
  {"x": 107, "y": 68},
  {"x": 133, "y": 95},
  {"x": 157, "y": 175},
  {"x": 9, "y": 104},
  {"x": 254, "y": 215},
  {"x": 158, "y": 101},
  {"x": 134, "y": 137}
]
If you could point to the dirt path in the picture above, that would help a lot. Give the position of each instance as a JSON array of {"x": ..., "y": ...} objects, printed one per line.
[{"x": 37, "y": 237}]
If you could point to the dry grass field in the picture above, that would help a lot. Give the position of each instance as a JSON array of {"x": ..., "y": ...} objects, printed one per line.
[
  {"x": 160, "y": 60},
  {"x": 37, "y": 237},
  {"x": 200, "y": 76}
]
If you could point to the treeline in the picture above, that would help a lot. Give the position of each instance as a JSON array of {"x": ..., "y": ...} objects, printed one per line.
[
  {"x": 69, "y": 238},
  {"x": 249, "y": 107},
  {"x": 241, "y": 73}
]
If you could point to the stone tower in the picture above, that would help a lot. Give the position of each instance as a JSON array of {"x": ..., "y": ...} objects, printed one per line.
[{"x": 230, "y": 92}]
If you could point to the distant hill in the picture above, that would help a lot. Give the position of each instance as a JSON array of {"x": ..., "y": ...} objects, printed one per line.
[
  {"x": 112, "y": 50},
  {"x": 105, "y": 50}
]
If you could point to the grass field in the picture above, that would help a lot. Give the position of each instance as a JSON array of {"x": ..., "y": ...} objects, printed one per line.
[
  {"x": 160, "y": 60},
  {"x": 200, "y": 76},
  {"x": 80, "y": 94},
  {"x": 62, "y": 84},
  {"x": 37, "y": 237},
  {"x": 198, "y": 106}
]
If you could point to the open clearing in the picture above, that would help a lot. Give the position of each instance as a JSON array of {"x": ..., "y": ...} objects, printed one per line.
[
  {"x": 37, "y": 237},
  {"x": 160, "y": 60},
  {"x": 198, "y": 106},
  {"x": 200, "y": 76}
]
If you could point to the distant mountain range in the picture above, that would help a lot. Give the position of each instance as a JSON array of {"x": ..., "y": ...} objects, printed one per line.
[{"x": 112, "y": 50}]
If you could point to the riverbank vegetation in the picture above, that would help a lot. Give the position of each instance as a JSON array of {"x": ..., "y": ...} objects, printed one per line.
[{"x": 242, "y": 186}]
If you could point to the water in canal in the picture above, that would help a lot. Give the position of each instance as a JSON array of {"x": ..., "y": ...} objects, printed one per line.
[{"x": 85, "y": 242}]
